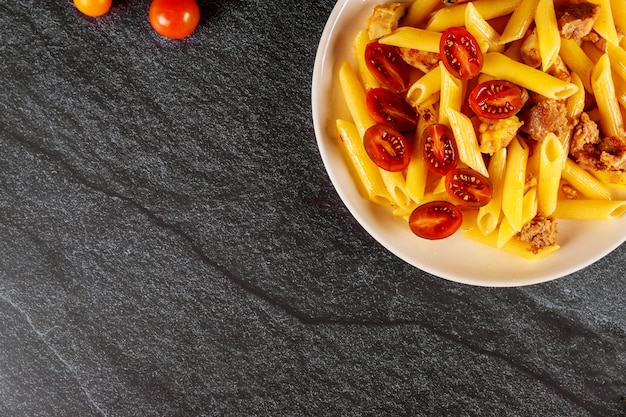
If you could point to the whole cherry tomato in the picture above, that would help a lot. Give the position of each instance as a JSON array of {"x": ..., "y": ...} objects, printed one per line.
[
  {"x": 387, "y": 65},
  {"x": 439, "y": 149},
  {"x": 435, "y": 220},
  {"x": 390, "y": 108},
  {"x": 497, "y": 99},
  {"x": 387, "y": 147},
  {"x": 174, "y": 19},
  {"x": 93, "y": 8},
  {"x": 468, "y": 187},
  {"x": 460, "y": 53}
]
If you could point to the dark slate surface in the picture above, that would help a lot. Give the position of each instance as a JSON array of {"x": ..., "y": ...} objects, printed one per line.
[{"x": 170, "y": 245}]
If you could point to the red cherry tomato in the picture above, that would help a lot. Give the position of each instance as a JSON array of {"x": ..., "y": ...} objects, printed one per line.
[
  {"x": 174, "y": 18},
  {"x": 435, "y": 220},
  {"x": 496, "y": 99},
  {"x": 387, "y": 65},
  {"x": 460, "y": 53},
  {"x": 387, "y": 147},
  {"x": 439, "y": 149},
  {"x": 93, "y": 8},
  {"x": 387, "y": 107},
  {"x": 468, "y": 187}
]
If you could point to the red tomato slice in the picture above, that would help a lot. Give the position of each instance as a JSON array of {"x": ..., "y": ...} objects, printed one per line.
[
  {"x": 174, "y": 19},
  {"x": 435, "y": 220},
  {"x": 497, "y": 99},
  {"x": 387, "y": 107},
  {"x": 460, "y": 53},
  {"x": 387, "y": 65},
  {"x": 468, "y": 187},
  {"x": 439, "y": 149},
  {"x": 387, "y": 147}
]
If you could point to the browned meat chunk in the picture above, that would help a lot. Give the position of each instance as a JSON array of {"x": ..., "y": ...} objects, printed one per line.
[
  {"x": 540, "y": 232},
  {"x": 547, "y": 116},
  {"x": 577, "y": 19},
  {"x": 423, "y": 60},
  {"x": 595, "y": 153},
  {"x": 385, "y": 19}
]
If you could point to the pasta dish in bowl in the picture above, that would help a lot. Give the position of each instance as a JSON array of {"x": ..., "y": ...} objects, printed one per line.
[{"x": 480, "y": 141}]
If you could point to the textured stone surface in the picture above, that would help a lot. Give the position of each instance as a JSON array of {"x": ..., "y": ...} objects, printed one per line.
[{"x": 171, "y": 245}]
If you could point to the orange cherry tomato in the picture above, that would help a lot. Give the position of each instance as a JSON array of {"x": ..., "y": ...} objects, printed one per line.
[
  {"x": 174, "y": 19},
  {"x": 93, "y": 8},
  {"x": 385, "y": 62},
  {"x": 496, "y": 99}
]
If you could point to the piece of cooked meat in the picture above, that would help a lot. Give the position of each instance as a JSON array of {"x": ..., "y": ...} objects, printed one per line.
[
  {"x": 593, "y": 152},
  {"x": 547, "y": 116},
  {"x": 494, "y": 135},
  {"x": 422, "y": 60},
  {"x": 577, "y": 19},
  {"x": 540, "y": 232},
  {"x": 385, "y": 19}
]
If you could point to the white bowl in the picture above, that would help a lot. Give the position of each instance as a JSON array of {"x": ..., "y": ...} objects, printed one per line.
[{"x": 456, "y": 258}]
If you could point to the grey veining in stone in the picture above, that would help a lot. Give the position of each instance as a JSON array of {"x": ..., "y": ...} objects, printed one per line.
[{"x": 170, "y": 245}]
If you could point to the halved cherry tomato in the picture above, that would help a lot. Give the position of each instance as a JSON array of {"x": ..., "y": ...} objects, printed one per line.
[
  {"x": 390, "y": 108},
  {"x": 435, "y": 220},
  {"x": 93, "y": 8},
  {"x": 174, "y": 19},
  {"x": 387, "y": 65},
  {"x": 460, "y": 53},
  {"x": 497, "y": 99},
  {"x": 439, "y": 149},
  {"x": 468, "y": 187},
  {"x": 387, "y": 147}
]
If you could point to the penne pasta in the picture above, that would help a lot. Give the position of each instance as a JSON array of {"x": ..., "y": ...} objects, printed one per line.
[
  {"x": 500, "y": 66},
  {"x": 528, "y": 210},
  {"x": 354, "y": 95},
  {"x": 520, "y": 21},
  {"x": 551, "y": 157},
  {"x": 577, "y": 61},
  {"x": 487, "y": 37},
  {"x": 548, "y": 33},
  {"x": 367, "y": 78},
  {"x": 455, "y": 15},
  {"x": 450, "y": 96},
  {"x": 419, "y": 11},
  {"x": 366, "y": 171},
  {"x": 466, "y": 141},
  {"x": 489, "y": 215},
  {"x": 604, "y": 24},
  {"x": 611, "y": 119},
  {"x": 590, "y": 209},
  {"x": 584, "y": 182},
  {"x": 514, "y": 182},
  {"x": 414, "y": 38},
  {"x": 424, "y": 88}
]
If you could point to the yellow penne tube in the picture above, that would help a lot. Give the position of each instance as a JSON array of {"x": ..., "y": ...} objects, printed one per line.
[
  {"x": 612, "y": 179},
  {"x": 367, "y": 172},
  {"x": 414, "y": 38},
  {"x": 417, "y": 171},
  {"x": 487, "y": 37},
  {"x": 455, "y": 15},
  {"x": 450, "y": 96},
  {"x": 584, "y": 182},
  {"x": 489, "y": 215},
  {"x": 500, "y": 66},
  {"x": 354, "y": 96},
  {"x": 424, "y": 88},
  {"x": 519, "y": 22},
  {"x": 513, "y": 246},
  {"x": 590, "y": 209},
  {"x": 577, "y": 61},
  {"x": 360, "y": 43},
  {"x": 514, "y": 181},
  {"x": 619, "y": 17},
  {"x": 576, "y": 102},
  {"x": 466, "y": 141},
  {"x": 604, "y": 24},
  {"x": 548, "y": 33},
  {"x": 528, "y": 209},
  {"x": 611, "y": 119},
  {"x": 396, "y": 186},
  {"x": 551, "y": 160},
  {"x": 419, "y": 11}
]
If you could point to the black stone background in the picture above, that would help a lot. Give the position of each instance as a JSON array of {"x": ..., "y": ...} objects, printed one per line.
[{"x": 171, "y": 245}]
